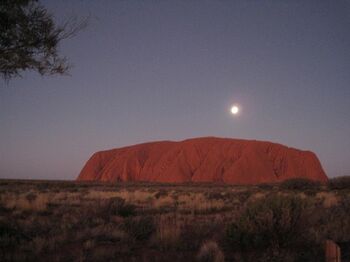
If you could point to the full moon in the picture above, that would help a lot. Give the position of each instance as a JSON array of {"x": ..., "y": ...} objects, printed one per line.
[{"x": 234, "y": 110}]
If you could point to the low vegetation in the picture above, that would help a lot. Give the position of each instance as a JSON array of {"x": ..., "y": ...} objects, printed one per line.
[
  {"x": 300, "y": 184},
  {"x": 70, "y": 221},
  {"x": 342, "y": 182}
]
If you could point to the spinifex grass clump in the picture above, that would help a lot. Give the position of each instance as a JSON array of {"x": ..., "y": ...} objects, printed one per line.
[{"x": 271, "y": 228}]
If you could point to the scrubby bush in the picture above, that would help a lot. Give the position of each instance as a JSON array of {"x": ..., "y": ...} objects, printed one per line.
[
  {"x": 274, "y": 219},
  {"x": 214, "y": 195},
  {"x": 300, "y": 184},
  {"x": 120, "y": 208},
  {"x": 11, "y": 238},
  {"x": 210, "y": 252},
  {"x": 161, "y": 193},
  {"x": 336, "y": 221},
  {"x": 192, "y": 235},
  {"x": 272, "y": 227},
  {"x": 116, "y": 206},
  {"x": 140, "y": 228},
  {"x": 31, "y": 197},
  {"x": 265, "y": 186},
  {"x": 244, "y": 195},
  {"x": 342, "y": 182}
]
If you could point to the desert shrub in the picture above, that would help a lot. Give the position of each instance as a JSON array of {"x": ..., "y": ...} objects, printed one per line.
[
  {"x": 210, "y": 252},
  {"x": 192, "y": 235},
  {"x": 102, "y": 253},
  {"x": 273, "y": 226},
  {"x": 265, "y": 186},
  {"x": 106, "y": 233},
  {"x": 140, "y": 228},
  {"x": 244, "y": 195},
  {"x": 43, "y": 186},
  {"x": 342, "y": 182},
  {"x": 115, "y": 206},
  {"x": 336, "y": 222},
  {"x": 161, "y": 193},
  {"x": 38, "y": 244},
  {"x": 300, "y": 184},
  {"x": 4, "y": 209},
  {"x": 168, "y": 233},
  {"x": 214, "y": 195},
  {"x": 31, "y": 197},
  {"x": 10, "y": 235}
]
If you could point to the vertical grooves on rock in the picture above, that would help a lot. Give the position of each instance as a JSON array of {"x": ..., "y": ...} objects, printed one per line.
[{"x": 204, "y": 159}]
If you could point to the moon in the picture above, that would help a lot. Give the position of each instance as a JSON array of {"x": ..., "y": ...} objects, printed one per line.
[{"x": 234, "y": 110}]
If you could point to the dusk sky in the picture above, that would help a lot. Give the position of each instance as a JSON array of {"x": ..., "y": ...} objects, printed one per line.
[{"x": 170, "y": 70}]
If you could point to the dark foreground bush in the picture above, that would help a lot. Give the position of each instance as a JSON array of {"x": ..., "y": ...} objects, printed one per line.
[
  {"x": 140, "y": 228},
  {"x": 10, "y": 235},
  {"x": 276, "y": 219},
  {"x": 342, "y": 182},
  {"x": 265, "y": 186},
  {"x": 272, "y": 228},
  {"x": 300, "y": 184},
  {"x": 210, "y": 251},
  {"x": 336, "y": 221},
  {"x": 116, "y": 206},
  {"x": 192, "y": 235}
]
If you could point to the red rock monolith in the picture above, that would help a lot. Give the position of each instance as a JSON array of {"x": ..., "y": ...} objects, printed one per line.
[{"x": 207, "y": 159}]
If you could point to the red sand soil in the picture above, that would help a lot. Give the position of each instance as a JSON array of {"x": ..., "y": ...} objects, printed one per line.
[{"x": 207, "y": 159}]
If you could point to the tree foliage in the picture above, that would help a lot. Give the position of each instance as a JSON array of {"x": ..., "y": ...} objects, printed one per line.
[{"x": 29, "y": 39}]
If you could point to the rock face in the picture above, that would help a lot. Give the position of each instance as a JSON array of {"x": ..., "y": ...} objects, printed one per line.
[{"x": 207, "y": 159}]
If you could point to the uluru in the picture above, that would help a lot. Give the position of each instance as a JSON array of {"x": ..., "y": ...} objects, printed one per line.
[{"x": 207, "y": 159}]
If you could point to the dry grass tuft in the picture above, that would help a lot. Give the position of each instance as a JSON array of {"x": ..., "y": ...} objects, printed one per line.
[
  {"x": 168, "y": 231},
  {"x": 210, "y": 252},
  {"x": 21, "y": 202}
]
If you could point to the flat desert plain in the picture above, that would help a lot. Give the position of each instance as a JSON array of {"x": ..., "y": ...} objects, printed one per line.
[{"x": 88, "y": 221}]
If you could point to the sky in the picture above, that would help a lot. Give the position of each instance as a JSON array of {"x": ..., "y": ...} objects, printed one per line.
[{"x": 147, "y": 70}]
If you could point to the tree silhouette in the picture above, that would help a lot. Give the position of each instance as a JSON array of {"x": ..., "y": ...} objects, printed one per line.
[{"x": 29, "y": 39}]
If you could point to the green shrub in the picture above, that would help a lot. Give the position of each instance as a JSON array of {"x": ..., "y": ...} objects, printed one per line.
[
  {"x": 300, "y": 184},
  {"x": 140, "y": 228},
  {"x": 342, "y": 182}
]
